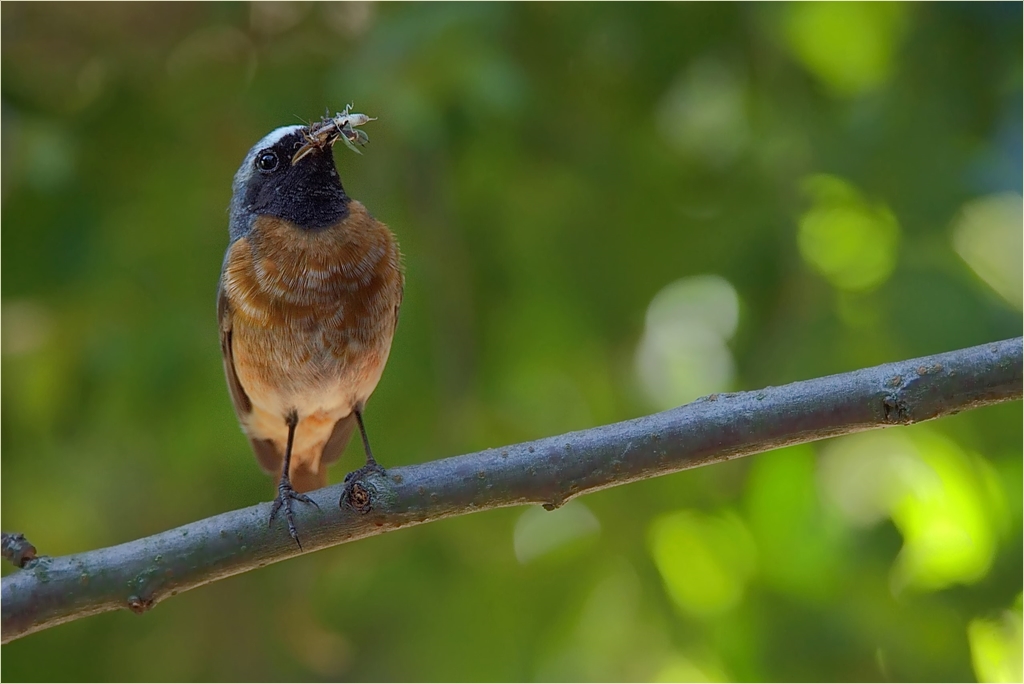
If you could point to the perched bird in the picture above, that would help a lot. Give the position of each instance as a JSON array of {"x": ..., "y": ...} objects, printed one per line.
[{"x": 308, "y": 304}]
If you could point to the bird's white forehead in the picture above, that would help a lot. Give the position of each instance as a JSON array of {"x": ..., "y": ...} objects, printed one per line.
[
  {"x": 272, "y": 138},
  {"x": 245, "y": 171}
]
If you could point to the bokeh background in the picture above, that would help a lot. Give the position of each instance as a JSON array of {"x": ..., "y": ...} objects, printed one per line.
[{"x": 606, "y": 210}]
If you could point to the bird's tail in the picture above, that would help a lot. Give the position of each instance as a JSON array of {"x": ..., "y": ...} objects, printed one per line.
[{"x": 304, "y": 479}]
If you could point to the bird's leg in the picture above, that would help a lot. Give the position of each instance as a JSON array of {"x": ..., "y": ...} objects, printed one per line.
[
  {"x": 371, "y": 466},
  {"x": 370, "y": 462},
  {"x": 285, "y": 492}
]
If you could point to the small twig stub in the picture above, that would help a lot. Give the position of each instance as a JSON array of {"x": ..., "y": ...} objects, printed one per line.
[
  {"x": 17, "y": 549},
  {"x": 358, "y": 498}
]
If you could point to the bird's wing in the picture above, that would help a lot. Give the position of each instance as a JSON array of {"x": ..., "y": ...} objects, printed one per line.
[
  {"x": 401, "y": 296},
  {"x": 266, "y": 452},
  {"x": 336, "y": 443}
]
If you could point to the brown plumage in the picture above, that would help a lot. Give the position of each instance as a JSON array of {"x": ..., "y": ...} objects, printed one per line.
[{"x": 306, "y": 321}]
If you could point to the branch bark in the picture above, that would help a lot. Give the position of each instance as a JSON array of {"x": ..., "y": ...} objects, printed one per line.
[{"x": 139, "y": 574}]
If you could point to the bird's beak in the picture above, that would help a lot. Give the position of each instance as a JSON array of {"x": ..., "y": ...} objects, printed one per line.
[{"x": 316, "y": 140}]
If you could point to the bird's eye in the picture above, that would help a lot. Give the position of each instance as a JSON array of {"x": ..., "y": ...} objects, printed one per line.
[{"x": 266, "y": 161}]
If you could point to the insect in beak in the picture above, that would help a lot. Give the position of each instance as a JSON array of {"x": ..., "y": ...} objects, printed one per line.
[{"x": 331, "y": 129}]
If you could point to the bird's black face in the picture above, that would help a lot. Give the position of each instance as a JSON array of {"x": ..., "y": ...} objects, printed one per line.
[{"x": 307, "y": 193}]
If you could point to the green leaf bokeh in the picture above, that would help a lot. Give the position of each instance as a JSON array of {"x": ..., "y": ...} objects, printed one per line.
[{"x": 605, "y": 210}]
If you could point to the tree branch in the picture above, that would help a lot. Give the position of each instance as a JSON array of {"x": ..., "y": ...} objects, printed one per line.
[{"x": 138, "y": 574}]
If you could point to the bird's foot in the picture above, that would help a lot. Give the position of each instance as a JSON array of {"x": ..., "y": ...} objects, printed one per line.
[
  {"x": 285, "y": 495},
  {"x": 355, "y": 495}
]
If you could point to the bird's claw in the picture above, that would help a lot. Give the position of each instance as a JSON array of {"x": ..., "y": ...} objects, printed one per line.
[{"x": 285, "y": 495}]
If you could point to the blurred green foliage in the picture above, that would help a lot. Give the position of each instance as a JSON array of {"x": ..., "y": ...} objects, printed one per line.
[{"x": 605, "y": 209}]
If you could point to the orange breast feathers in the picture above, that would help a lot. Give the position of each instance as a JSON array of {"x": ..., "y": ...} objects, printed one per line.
[{"x": 313, "y": 311}]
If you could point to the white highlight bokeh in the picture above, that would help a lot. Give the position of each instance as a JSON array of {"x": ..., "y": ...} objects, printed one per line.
[{"x": 683, "y": 352}]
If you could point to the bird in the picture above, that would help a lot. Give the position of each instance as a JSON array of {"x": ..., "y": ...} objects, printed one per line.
[{"x": 307, "y": 304}]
